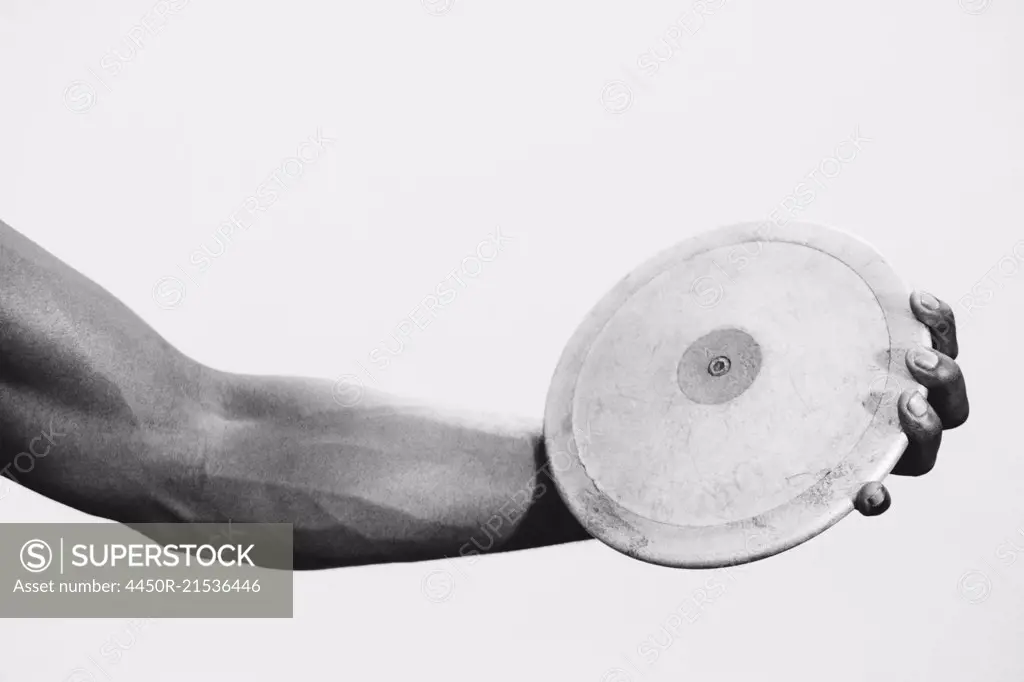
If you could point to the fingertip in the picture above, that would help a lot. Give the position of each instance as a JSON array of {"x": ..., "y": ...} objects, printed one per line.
[
  {"x": 916, "y": 406},
  {"x": 917, "y": 415},
  {"x": 924, "y": 434},
  {"x": 925, "y": 301},
  {"x": 872, "y": 499},
  {"x": 940, "y": 319},
  {"x": 923, "y": 361}
]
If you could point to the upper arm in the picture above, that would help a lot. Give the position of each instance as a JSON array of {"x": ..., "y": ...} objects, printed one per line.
[{"x": 75, "y": 359}]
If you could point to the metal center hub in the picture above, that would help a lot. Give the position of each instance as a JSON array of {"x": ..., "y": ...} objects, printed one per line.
[{"x": 719, "y": 366}]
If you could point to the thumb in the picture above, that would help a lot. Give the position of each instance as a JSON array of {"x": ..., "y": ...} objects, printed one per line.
[{"x": 872, "y": 499}]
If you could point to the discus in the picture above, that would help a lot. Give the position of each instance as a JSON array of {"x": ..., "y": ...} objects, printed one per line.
[{"x": 728, "y": 398}]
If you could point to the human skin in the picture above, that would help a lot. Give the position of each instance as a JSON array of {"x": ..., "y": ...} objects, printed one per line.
[{"x": 149, "y": 435}]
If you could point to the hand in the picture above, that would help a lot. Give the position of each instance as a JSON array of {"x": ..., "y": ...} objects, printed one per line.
[{"x": 924, "y": 420}]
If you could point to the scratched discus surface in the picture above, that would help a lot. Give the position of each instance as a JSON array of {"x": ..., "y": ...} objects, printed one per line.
[{"x": 728, "y": 398}]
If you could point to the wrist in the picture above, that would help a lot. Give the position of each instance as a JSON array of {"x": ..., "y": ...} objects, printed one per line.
[{"x": 548, "y": 521}]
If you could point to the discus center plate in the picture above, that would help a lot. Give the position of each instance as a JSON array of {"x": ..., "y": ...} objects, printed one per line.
[
  {"x": 719, "y": 366},
  {"x": 695, "y": 422}
]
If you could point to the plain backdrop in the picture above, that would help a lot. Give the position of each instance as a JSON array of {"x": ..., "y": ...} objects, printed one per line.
[{"x": 450, "y": 121}]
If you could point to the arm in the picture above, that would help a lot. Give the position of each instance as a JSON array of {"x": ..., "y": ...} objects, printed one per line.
[{"x": 137, "y": 432}]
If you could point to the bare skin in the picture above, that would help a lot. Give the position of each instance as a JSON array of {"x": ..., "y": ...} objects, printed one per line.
[{"x": 149, "y": 435}]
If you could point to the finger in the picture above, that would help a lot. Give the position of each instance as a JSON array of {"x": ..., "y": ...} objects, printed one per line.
[
  {"x": 924, "y": 431},
  {"x": 940, "y": 320},
  {"x": 872, "y": 499},
  {"x": 947, "y": 391}
]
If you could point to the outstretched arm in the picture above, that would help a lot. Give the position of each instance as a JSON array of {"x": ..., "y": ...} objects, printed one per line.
[{"x": 141, "y": 433}]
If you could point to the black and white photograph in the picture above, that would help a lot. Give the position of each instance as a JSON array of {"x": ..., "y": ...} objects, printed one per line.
[{"x": 454, "y": 340}]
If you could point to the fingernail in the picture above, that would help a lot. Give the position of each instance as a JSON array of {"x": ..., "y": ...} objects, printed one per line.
[
  {"x": 917, "y": 405},
  {"x": 928, "y": 301},
  {"x": 878, "y": 497},
  {"x": 925, "y": 359}
]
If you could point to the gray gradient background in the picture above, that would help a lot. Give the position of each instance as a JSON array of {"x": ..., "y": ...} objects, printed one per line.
[{"x": 450, "y": 121}]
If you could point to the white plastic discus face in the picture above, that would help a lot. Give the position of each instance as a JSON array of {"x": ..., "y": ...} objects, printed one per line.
[{"x": 728, "y": 398}]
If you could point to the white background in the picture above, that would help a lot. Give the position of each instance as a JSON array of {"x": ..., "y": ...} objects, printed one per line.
[{"x": 451, "y": 121}]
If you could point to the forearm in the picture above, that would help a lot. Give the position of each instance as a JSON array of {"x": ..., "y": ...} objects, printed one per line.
[
  {"x": 383, "y": 480},
  {"x": 148, "y": 435}
]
